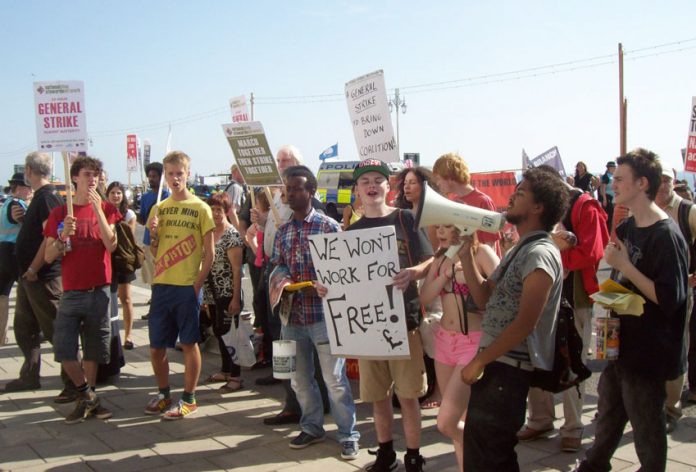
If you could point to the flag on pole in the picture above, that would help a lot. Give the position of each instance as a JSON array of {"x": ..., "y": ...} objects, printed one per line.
[
  {"x": 169, "y": 141},
  {"x": 525, "y": 160},
  {"x": 331, "y": 151}
]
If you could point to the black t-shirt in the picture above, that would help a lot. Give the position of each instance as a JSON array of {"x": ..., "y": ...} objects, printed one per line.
[
  {"x": 652, "y": 343},
  {"x": 410, "y": 242},
  {"x": 584, "y": 183},
  {"x": 30, "y": 234}
]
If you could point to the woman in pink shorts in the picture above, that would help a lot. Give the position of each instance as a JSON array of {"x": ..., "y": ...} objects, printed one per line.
[{"x": 457, "y": 337}]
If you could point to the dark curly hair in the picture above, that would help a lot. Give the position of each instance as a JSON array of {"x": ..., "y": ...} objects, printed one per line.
[
  {"x": 551, "y": 193},
  {"x": 422, "y": 174}
]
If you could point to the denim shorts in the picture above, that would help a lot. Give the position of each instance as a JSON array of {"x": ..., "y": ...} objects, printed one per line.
[
  {"x": 86, "y": 313},
  {"x": 174, "y": 314}
]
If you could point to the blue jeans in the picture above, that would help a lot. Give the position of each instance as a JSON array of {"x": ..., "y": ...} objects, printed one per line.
[
  {"x": 304, "y": 384},
  {"x": 629, "y": 396},
  {"x": 494, "y": 416}
]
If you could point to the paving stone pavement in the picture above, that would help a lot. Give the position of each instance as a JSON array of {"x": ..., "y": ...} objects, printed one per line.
[{"x": 227, "y": 432}]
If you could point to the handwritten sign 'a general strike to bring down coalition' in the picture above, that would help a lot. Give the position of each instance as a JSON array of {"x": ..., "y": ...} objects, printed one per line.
[{"x": 364, "y": 312}]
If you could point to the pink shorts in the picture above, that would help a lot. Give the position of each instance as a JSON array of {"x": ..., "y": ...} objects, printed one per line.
[{"x": 452, "y": 348}]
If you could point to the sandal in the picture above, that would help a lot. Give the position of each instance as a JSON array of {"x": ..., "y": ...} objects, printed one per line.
[
  {"x": 430, "y": 404},
  {"x": 232, "y": 385},
  {"x": 218, "y": 377}
]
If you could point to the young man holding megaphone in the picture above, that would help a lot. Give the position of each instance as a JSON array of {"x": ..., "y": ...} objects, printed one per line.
[{"x": 521, "y": 299}]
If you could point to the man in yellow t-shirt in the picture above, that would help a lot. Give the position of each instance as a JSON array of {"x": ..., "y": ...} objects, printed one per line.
[{"x": 181, "y": 233}]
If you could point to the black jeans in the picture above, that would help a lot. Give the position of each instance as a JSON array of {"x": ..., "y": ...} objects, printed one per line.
[
  {"x": 221, "y": 325},
  {"x": 625, "y": 395},
  {"x": 494, "y": 416}
]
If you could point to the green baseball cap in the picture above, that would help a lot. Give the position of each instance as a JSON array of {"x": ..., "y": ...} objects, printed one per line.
[{"x": 370, "y": 165}]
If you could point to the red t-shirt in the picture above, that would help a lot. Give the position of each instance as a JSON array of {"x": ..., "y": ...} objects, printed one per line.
[
  {"x": 88, "y": 264},
  {"x": 479, "y": 199}
]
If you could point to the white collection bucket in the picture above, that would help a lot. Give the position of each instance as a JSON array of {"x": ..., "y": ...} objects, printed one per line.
[{"x": 284, "y": 359}]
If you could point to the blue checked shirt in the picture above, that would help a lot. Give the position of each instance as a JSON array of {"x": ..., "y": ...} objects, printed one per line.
[{"x": 291, "y": 249}]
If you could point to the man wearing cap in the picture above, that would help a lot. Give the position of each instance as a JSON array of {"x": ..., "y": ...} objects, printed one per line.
[
  {"x": 606, "y": 192},
  {"x": 11, "y": 216},
  {"x": 39, "y": 286},
  {"x": 405, "y": 377},
  {"x": 683, "y": 212}
]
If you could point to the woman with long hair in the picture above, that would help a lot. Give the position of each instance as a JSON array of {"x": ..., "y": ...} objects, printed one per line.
[
  {"x": 116, "y": 195},
  {"x": 409, "y": 188},
  {"x": 458, "y": 334}
]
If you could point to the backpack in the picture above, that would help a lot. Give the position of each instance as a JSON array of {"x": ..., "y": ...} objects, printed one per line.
[
  {"x": 568, "y": 369},
  {"x": 128, "y": 256}
]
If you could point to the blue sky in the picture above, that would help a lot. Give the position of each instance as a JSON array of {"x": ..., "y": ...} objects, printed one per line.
[{"x": 145, "y": 64}]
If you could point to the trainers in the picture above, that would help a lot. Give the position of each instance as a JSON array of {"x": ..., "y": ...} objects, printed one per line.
[
  {"x": 414, "y": 462},
  {"x": 86, "y": 405},
  {"x": 68, "y": 395},
  {"x": 303, "y": 440},
  {"x": 570, "y": 444},
  {"x": 158, "y": 405},
  {"x": 180, "y": 411},
  {"x": 529, "y": 434},
  {"x": 671, "y": 423},
  {"x": 386, "y": 461},
  {"x": 349, "y": 450},
  {"x": 102, "y": 413}
]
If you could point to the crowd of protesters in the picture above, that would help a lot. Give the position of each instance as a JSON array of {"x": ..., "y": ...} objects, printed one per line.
[{"x": 492, "y": 309}]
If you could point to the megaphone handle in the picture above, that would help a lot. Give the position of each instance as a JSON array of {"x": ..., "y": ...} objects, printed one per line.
[{"x": 452, "y": 251}]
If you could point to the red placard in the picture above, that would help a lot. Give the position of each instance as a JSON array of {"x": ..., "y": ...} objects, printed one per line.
[
  {"x": 497, "y": 185},
  {"x": 132, "y": 152},
  {"x": 690, "y": 161}
]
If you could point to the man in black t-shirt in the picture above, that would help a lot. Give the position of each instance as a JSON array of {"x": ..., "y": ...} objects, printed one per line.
[
  {"x": 39, "y": 287},
  {"x": 378, "y": 378},
  {"x": 651, "y": 257}
]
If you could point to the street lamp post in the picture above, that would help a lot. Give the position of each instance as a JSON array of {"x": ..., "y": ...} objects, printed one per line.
[{"x": 397, "y": 102}]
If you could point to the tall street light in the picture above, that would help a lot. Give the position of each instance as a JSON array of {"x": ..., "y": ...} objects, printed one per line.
[{"x": 397, "y": 102}]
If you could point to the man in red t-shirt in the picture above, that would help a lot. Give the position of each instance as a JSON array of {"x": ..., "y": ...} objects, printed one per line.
[
  {"x": 85, "y": 241},
  {"x": 453, "y": 179}
]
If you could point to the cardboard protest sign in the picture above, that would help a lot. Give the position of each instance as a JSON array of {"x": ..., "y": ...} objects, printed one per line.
[
  {"x": 690, "y": 164},
  {"x": 60, "y": 116},
  {"x": 252, "y": 154},
  {"x": 238, "y": 106},
  {"x": 368, "y": 108},
  {"x": 132, "y": 153},
  {"x": 147, "y": 150},
  {"x": 497, "y": 185},
  {"x": 551, "y": 158},
  {"x": 364, "y": 313}
]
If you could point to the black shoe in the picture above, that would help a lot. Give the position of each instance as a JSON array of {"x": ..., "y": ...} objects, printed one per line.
[
  {"x": 386, "y": 461},
  {"x": 414, "y": 462},
  {"x": 303, "y": 440},
  {"x": 128, "y": 345},
  {"x": 68, "y": 395},
  {"x": 284, "y": 417},
  {"x": 269, "y": 380},
  {"x": 22, "y": 385},
  {"x": 146, "y": 316},
  {"x": 671, "y": 424}
]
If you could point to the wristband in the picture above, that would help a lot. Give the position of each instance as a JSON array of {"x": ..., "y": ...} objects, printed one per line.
[{"x": 31, "y": 269}]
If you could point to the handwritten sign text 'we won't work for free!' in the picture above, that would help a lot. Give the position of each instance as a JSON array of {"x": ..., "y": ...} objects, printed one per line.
[{"x": 364, "y": 312}]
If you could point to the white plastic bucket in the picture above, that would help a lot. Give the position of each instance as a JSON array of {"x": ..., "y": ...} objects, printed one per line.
[{"x": 284, "y": 359}]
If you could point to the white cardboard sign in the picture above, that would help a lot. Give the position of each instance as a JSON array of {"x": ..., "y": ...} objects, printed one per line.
[
  {"x": 60, "y": 116},
  {"x": 368, "y": 108},
  {"x": 364, "y": 312}
]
